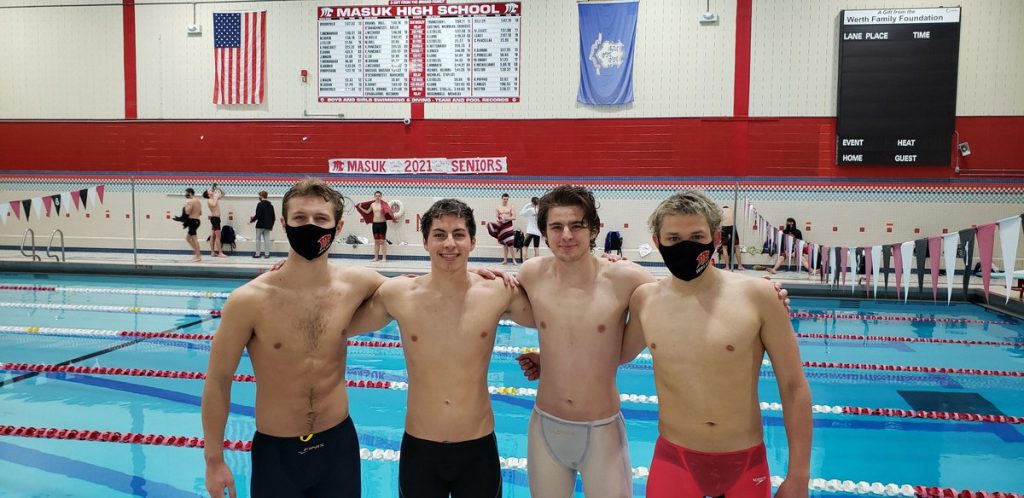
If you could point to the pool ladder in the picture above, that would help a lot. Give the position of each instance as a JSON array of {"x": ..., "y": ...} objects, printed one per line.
[
  {"x": 35, "y": 257},
  {"x": 62, "y": 257}
]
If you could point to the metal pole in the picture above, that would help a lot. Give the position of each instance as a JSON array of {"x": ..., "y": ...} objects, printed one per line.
[
  {"x": 135, "y": 240},
  {"x": 735, "y": 229}
]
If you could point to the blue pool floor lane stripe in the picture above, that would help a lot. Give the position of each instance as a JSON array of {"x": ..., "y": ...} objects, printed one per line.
[
  {"x": 84, "y": 471},
  {"x": 104, "y": 351}
]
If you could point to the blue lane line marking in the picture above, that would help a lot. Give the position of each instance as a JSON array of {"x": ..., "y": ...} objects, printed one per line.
[{"x": 84, "y": 471}]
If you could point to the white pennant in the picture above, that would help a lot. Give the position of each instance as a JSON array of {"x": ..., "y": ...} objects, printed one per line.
[
  {"x": 94, "y": 198},
  {"x": 789, "y": 250},
  {"x": 3, "y": 211},
  {"x": 37, "y": 204},
  {"x": 831, "y": 266},
  {"x": 800, "y": 254},
  {"x": 778, "y": 239},
  {"x": 876, "y": 267},
  {"x": 1009, "y": 235},
  {"x": 814, "y": 257},
  {"x": 907, "y": 251},
  {"x": 66, "y": 203}
]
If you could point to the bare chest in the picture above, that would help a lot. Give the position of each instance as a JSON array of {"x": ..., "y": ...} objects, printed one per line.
[{"x": 690, "y": 334}]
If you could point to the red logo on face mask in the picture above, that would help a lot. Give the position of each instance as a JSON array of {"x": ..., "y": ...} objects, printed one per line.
[
  {"x": 324, "y": 242},
  {"x": 703, "y": 258}
]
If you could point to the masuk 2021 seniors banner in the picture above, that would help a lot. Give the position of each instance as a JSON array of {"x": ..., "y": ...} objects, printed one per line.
[{"x": 431, "y": 166}]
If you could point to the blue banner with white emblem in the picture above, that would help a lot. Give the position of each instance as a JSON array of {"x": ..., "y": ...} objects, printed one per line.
[{"x": 607, "y": 36}]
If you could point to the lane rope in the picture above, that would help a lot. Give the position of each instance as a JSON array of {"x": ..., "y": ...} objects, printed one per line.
[
  {"x": 509, "y": 350},
  {"x": 111, "y": 290},
  {"x": 512, "y": 391},
  {"x": 896, "y": 318},
  {"x": 511, "y": 463},
  {"x": 892, "y": 338},
  {"x": 113, "y": 309}
]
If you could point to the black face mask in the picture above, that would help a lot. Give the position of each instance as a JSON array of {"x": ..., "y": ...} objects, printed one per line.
[
  {"x": 688, "y": 259},
  {"x": 310, "y": 241}
]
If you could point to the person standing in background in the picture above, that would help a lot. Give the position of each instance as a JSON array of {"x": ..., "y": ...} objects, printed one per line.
[
  {"x": 529, "y": 213},
  {"x": 264, "y": 219},
  {"x": 193, "y": 211},
  {"x": 213, "y": 196},
  {"x": 505, "y": 231},
  {"x": 377, "y": 212},
  {"x": 730, "y": 239}
]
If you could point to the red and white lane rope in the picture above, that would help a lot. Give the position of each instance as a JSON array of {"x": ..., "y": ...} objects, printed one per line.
[
  {"x": 113, "y": 309},
  {"x": 498, "y": 349},
  {"x": 510, "y": 391},
  {"x": 895, "y": 318},
  {"x": 110, "y": 290},
  {"x": 506, "y": 350},
  {"x": 891, "y": 338},
  {"x": 513, "y": 463}
]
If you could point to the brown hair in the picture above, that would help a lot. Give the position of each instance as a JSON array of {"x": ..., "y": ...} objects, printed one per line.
[
  {"x": 448, "y": 207},
  {"x": 263, "y": 194},
  {"x": 314, "y": 187},
  {"x": 570, "y": 196},
  {"x": 689, "y": 202}
]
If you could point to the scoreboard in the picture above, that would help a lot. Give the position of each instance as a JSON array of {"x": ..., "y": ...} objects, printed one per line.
[{"x": 897, "y": 86}]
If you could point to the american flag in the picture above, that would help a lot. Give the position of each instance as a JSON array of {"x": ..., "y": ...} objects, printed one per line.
[{"x": 240, "y": 56}]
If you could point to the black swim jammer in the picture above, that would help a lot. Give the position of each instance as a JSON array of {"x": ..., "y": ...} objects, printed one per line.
[
  {"x": 327, "y": 465},
  {"x": 467, "y": 469},
  {"x": 193, "y": 225}
]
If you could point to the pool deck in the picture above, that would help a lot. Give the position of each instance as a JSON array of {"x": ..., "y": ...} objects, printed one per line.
[{"x": 245, "y": 266}]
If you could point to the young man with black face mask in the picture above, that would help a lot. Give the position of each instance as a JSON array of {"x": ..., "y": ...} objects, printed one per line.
[
  {"x": 294, "y": 323},
  {"x": 707, "y": 330}
]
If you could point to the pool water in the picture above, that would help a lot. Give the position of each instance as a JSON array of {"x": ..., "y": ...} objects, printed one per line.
[{"x": 945, "y": 453}]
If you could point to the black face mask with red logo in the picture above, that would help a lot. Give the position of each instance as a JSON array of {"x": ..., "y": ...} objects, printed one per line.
[
  {"x": 310, "y": 241},
  {"x": 687, "y": 259}
]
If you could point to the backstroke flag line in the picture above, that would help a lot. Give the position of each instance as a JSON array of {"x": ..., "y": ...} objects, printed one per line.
[{"x": 607, "y": 36}]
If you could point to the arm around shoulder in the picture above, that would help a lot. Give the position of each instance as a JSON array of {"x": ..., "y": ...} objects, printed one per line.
[
  {"x": 780, "y": 342},
  {"x": 633, "y": 337},
  {"x": 373, "y": 313}
]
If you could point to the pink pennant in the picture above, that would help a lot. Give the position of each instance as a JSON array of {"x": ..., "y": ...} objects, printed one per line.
[
  {"x": 843, "y": 256},
  {"x": 47, "y": 203},
  {"x": 868, "y": 270},
  {"x": 897, "y": 254},
  {"x": 99, "y": 192},
  {"x": 986, "y": 243},
  {"x": 75, "y": 197},
  {"x": 16, "y": 207},
  {"x": 935, "y": 253}
]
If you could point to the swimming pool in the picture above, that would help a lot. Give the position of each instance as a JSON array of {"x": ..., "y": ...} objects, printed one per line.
[{"x": 863, "y": 352}]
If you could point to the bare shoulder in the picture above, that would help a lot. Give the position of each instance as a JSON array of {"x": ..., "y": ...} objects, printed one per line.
[
  {"x": 357, "y": 275},
  {"x": 252, "y": 294},
  {"x": 534, "y": 269},
  {"x": 626, "y": 272},
  {"x": 754, "y": 289}
]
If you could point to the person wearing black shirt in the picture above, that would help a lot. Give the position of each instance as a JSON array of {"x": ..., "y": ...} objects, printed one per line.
[
  {"x": 791, "y": 229},
  {"x": 264, "y": 219}
]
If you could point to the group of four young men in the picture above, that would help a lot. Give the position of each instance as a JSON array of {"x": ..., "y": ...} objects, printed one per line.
[{"x": 707, "y": 331}]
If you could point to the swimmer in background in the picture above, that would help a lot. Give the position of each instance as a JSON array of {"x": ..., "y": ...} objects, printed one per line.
[
  {"x": 213, "y": 196},
  {"x": 193, "y": 213}
]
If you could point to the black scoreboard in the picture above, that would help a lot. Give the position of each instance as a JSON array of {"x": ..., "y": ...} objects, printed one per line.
[{"x": 897, "y": 86}]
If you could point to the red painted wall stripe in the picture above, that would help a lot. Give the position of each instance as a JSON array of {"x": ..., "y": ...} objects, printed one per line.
[
  {"x": 741, "y": 83},
  {"x": 657, "y": 147},
  {"x": 131, "y": 106}
]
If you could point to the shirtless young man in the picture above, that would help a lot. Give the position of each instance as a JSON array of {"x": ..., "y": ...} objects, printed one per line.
[
  {"x": 294, "y": 323},
  {"x": 707, "y": 330},
  {"x": 579, "y": 303},
  {"x": 447, "y": 317},
  {"x": 193, "y": 212},
  {"x": 213, "y": 196},
  {"x": 377, "y": 213},
  {"x": 505, "y": 213}
]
